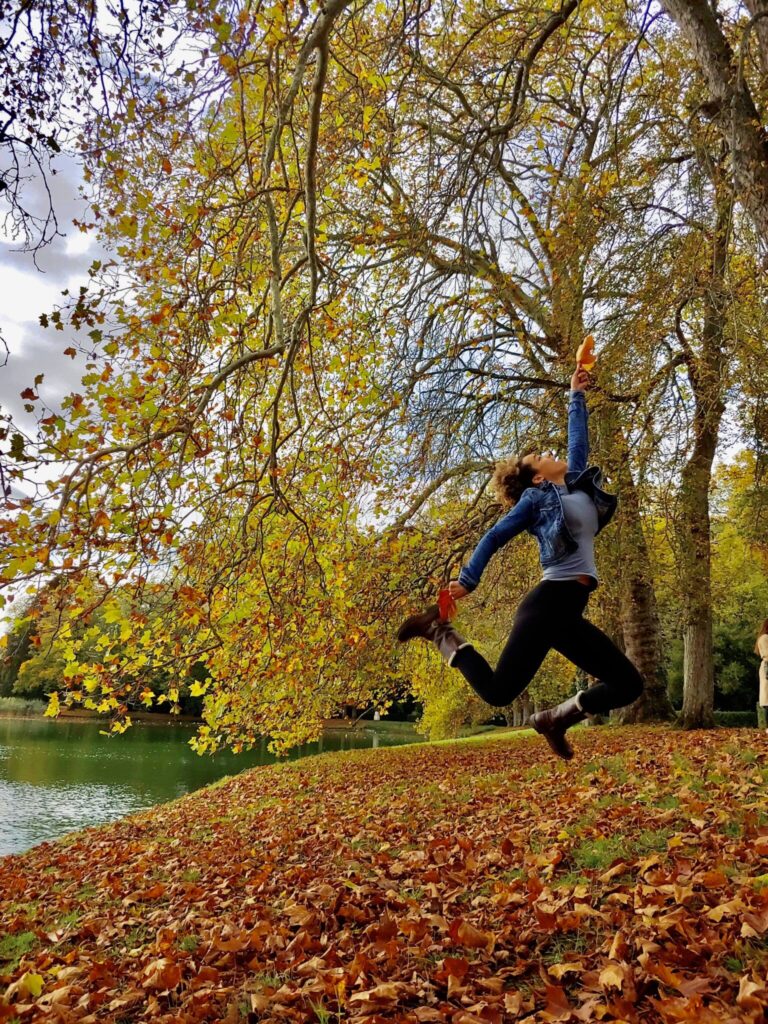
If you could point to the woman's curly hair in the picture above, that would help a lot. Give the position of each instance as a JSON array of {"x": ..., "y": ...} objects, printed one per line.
[{"x": 510, "y": 478}]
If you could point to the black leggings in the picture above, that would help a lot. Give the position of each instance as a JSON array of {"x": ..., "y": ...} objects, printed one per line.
[{"x": 552, "y": 615}]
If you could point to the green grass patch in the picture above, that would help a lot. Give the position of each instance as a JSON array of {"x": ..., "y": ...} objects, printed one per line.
[
  {"x": 137, "y": 936},
  {"x": 598, "y": 854},
  {"x": 69, "y": 919},
  {"x": 683, "y": 766},
  {"x": 748, "y": 757},
  {"x": 322, "y": 1015},
  {"x": 699, "y": 787},
  {"x": 14, "y": 947},
  {"x": 747, "y": 954},
  {"x": 667, "y": 802},
  {"x": 608, "y": 800},
  {"x": 510, "y": 875},
  {"x": 189, "y": 943},
  {"x": 563, "y": 945},
  {"x": 616, "y": 768},
  {"x": 570, "y": 880},
  {"x": 651, "y": 840},
  {"x": 265, "y": 979}
]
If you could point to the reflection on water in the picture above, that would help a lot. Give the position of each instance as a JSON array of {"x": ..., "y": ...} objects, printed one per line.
[{"x": 56, "y": 777}]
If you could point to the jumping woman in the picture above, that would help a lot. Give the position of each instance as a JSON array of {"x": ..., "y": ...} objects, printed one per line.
[{"x": 564, "y": 507}]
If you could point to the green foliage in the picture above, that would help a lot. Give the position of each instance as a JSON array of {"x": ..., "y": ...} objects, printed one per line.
[
  {"x": 16, "y": 652},
  {"x": 736, "y": 719}
]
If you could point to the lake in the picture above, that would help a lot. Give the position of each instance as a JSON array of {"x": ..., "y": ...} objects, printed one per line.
[{"x": 56, "y": 777}]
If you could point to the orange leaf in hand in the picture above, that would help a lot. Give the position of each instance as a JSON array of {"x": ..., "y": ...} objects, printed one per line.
[
  {"x": 585, "y": 356},
  {"x": 446, "y": 605}
]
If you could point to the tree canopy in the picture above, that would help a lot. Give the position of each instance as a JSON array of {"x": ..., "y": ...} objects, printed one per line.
[{"x": 353, "y": 251}]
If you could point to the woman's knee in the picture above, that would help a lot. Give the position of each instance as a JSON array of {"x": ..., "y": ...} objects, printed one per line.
[{"x": 498, "y": 700}]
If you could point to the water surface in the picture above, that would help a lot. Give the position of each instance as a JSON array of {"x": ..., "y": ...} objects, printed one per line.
[{"x": 56, "y": 777}]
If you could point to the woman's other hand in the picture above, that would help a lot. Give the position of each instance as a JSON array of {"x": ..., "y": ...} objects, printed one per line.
[
  {"x": 580, "y": 380},
  {"x": 456, "y": 590}
]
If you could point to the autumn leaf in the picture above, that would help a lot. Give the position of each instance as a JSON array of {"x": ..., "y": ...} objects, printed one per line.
[
  {"x": 612, "y": 976},
  {"x": 446, "y": 605},
  {"x": 465, "y": 934},
  {"x": 162, "y": 974}
]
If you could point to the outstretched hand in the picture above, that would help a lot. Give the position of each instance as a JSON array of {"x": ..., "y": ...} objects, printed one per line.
[
  {"x": 581, "y": 379},
  {"x": 456, "y": 590}
]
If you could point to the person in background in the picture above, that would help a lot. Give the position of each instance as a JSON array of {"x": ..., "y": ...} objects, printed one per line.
[{"x": 761, "y": 648}]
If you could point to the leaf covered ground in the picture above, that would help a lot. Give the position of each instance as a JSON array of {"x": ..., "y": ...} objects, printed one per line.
[{"x": 470, "y": 882}]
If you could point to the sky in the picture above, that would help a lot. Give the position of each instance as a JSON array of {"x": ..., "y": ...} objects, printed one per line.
[{"x": 27, "y": 290}]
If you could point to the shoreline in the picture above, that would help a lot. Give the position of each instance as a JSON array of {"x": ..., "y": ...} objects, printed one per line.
[{"x": 146, "y": 717}]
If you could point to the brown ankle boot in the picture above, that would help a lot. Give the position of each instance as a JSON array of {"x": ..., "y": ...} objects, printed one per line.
[
  {"x": 430, "y": 626},
  {"x": 422, "y": 625},
  {"x": 553, "y": 723}
]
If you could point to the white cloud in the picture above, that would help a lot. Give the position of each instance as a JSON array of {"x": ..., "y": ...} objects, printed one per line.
[{"x": 32, "y": 285}]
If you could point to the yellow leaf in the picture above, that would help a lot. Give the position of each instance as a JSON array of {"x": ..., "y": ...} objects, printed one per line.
[
  {"x": 558, "y": 970},
  {"x": 53, "y": 705},
  {"x": 612, "y": 976},
  {"x": 31, "y": 983}
]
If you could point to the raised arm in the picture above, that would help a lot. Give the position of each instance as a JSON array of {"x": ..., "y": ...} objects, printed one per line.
[
  {"x": 578, "y": 414},
  {"x": 515, "y": 521}
]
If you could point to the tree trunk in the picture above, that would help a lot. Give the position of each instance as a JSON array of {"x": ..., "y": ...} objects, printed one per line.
[
  {"x": 706, "y": 374},
  {"x": 695, "y": 585},
  {"x": 736, "y": 114},
  {"x": 519, "y": 711},
  {"x": 640, "y": 624},
  {"x": 698, "y": 673},
  {"x": 760, "y": 29},
  {"x": 643, "y": 647},
  {"x": 633, "y": 593}
]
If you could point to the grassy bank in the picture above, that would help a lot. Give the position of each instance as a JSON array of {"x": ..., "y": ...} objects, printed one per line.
[{"x": 465, "y": 882}]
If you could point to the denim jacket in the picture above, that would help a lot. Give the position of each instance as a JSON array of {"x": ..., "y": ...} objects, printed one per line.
[{"x": 540, "y": 508}]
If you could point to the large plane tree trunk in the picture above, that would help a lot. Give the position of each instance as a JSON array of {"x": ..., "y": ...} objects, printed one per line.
[
  {"x": 706, "y": 376},
  {"x": 640, "y": 624}
]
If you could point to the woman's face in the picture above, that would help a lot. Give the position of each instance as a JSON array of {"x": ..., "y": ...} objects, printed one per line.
[{"x": 545, "y": 466}]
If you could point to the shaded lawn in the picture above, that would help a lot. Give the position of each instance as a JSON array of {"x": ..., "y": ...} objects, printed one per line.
[{"x": 481, "y": 881}]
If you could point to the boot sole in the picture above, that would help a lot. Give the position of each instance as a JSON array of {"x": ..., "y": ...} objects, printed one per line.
[{"x": 566, "y": 753}]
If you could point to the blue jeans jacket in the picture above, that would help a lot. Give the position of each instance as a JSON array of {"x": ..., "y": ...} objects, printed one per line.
[{"x": 540, "y": 508}]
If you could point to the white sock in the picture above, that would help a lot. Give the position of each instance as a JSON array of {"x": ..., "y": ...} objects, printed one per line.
[{"x": 459, "y": 648}]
